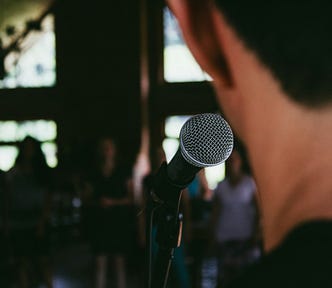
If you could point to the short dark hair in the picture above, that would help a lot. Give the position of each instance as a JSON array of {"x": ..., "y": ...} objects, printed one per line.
[{"x": 292, "y": 38}]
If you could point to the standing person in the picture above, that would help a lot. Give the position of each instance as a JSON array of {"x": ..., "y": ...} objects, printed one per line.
[
  {"x": 111, "y": 199},
  {"x": 234, "y": 220},
  {"x": 29, "y": 207},
  {"x": 270, "y": 62}
]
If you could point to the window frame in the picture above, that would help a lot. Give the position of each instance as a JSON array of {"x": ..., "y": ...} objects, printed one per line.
[{"x": 169, "y": 98}]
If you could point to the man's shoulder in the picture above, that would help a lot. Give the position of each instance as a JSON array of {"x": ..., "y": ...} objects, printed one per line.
[{"x": 303, "y": 260}]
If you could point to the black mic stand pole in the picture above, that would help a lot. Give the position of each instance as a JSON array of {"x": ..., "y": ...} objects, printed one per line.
[{"x": 168, "y": 224}]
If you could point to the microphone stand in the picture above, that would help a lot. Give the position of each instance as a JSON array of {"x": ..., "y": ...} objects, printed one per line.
[{"x": 168, "y": 225}]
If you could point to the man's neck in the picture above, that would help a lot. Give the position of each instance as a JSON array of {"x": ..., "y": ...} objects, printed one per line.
[
  {"x": 294, "y": 176},
  {"x": 289, "y": 146},
  {"x": 309, "y": 198}
]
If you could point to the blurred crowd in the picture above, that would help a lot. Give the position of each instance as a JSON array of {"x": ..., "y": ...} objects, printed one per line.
[{"x": 42, "y": 209}]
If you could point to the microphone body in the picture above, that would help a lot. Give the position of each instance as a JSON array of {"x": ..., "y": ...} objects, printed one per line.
[{"x": 205, "y": 140}]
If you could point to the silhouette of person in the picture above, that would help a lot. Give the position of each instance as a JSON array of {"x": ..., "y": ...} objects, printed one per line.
[
  {"x": 110, "y": 197},
  {"x": 29, "y": 207},
  {"x": 270, "y": 64}
]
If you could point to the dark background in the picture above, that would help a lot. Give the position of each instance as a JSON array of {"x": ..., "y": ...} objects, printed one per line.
[{"x": 109, "y": 74}]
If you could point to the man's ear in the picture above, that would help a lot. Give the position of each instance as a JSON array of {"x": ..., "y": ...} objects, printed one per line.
[{"x": 197, "y": 19}]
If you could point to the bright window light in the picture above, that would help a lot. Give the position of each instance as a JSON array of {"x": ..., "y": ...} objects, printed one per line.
[
  {"x": 45, "y": 131},
  {"x": 170, "y": 147},
  {"x": 173, "y": 125},
  {"x": 8, "y": 131},
  {"x": 34, "y": 63},
  {"x": 42, "y": 130},
  {"x": 50, "y": 150},
  {"x": 8, "y": 155},
  {"x": 215, "y": 174},
  {"x": 179, "y": 64}
]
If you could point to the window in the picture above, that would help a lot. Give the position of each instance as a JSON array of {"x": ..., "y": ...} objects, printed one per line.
[
  {"x": 179, "y": 64},
  {"x": 173, "y": 126},
  {"x": 30, "y": 61},
  {"x": 12, "y": 132}
]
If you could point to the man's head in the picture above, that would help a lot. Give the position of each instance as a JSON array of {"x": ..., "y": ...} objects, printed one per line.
[
  {"x": 292, "y": 38},
  {"x": 270, "y": 63},
  {"x": 289, "y": 39},
  {"x": 271, "y": 66}
]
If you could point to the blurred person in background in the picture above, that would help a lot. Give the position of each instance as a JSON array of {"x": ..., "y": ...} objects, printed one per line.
[
  {"x": 108, "y": 216},
  {"x": 234, "y": 220},
  {"x": 29, "y": 207}
]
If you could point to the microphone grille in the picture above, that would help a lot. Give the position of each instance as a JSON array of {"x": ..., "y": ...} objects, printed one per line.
[{"x": 206, "y": 140}]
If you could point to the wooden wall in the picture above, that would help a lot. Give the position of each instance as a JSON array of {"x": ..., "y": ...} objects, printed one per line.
[
  {"x": 97, "y": 89},
  {"x": 101, "y": 47}
]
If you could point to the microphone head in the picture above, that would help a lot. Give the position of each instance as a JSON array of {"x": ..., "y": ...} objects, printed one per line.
[{"x": 206, "y": 140}]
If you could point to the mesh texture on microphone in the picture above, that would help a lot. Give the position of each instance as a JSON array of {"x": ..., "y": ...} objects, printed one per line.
[{"x": 206, "y": 140}]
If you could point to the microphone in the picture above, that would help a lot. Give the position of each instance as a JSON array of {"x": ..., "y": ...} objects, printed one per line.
[{"x": 206, "y": 140}]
